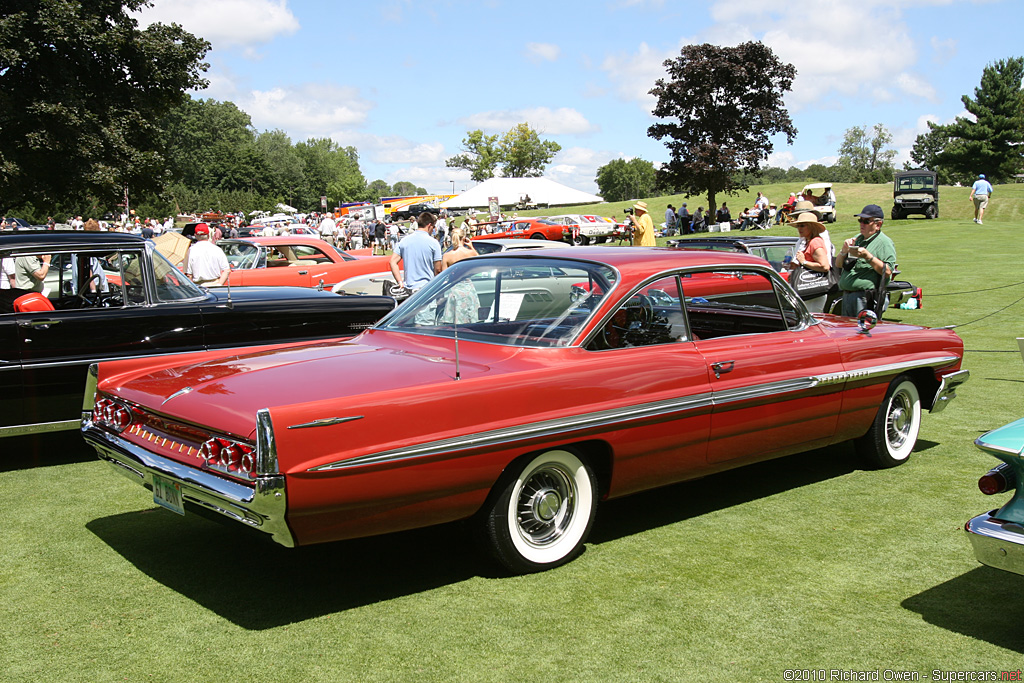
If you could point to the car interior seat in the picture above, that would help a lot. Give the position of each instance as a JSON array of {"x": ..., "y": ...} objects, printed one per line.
[{"x": 33, "y": 302}]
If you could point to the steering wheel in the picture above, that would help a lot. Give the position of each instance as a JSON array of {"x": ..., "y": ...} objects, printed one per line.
[
  {"x": 640, "y": 308},
  {"x": 85, "y": 288}
]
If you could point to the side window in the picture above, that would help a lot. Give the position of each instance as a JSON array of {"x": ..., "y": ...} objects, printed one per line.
[
  {"x": 73, "y": 279},
  {"x": 727, "y": 303},
  {"x": 775, "y": 255},
  {"x": 652, "y": 315}
]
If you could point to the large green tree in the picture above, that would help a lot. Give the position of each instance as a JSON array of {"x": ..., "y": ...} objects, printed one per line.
[
  {"x": 283, "y": 161},
  {"x": 480, "y": 155},
  {"x": 925, "y": 154},
  {"x": 524, "y": 154},
  {"x": 331, "y": 171},
  {"x": 211, "y": 144},
  {"x": 518, "y": 153},
  {"x": 720, "y": 106},
  {"x": 865, "y": 156},
  {"x": 619, "y": 179},
  {"x": 993, "y": 143},
  {"x": 82, "y": 92}
]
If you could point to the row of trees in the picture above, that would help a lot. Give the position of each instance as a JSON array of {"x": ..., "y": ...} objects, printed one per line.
[
  {"x": 92, "y": 109},
  {"x": 864, "y": 157}
]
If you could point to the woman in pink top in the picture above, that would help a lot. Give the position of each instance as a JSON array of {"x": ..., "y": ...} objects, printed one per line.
[{"x": 812, "y": 254}]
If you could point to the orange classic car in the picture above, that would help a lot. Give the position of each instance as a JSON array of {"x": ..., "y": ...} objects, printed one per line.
[
  {"x": 526, "y": 228},
  {"x": 517, "y": 391},
  {"x": 297, "y": 260}
]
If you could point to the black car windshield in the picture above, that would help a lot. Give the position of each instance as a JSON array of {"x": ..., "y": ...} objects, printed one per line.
[{"x": 508, "y": 300}]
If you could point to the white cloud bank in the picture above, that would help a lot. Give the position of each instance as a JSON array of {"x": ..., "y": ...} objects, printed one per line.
[{"x": 225, "y": 23}]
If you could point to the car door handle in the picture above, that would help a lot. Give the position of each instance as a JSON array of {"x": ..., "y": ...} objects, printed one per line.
[
  {"x": 303, "y": 272},
  {"x": 38, "y": 324},
  {"x": 723, "y": 367}
]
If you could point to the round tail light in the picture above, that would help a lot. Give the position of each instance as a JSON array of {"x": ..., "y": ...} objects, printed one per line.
[{"x": 994, "y": 481}]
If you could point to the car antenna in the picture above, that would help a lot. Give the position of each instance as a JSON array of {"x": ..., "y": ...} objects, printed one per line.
[{"x": 458, "y": 373}]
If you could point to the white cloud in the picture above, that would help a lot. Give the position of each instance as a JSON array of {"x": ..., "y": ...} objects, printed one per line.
[
  {"x": 945, "y": 50},
  {"x": 832, "y": 59},
  {"x": 561, "y": 121},
  {"x": 225, "y": 23},
  {"x": 542, "y": 52},
  {"x": 306, "y": 109},
  {"x": 914, "y": 85},
  {"x": 394, "y": 149},
  {"x": 634, "y": 74}
]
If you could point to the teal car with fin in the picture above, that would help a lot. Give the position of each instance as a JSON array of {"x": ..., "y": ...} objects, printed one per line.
[{"x": 998, "y": 536}]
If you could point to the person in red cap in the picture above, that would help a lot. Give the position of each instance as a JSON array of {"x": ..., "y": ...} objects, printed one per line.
[{"x": 207, "y": 264}]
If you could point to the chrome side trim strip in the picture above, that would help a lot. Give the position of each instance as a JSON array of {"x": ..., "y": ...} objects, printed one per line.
[
  {"x": 326, "y": 422},
  {"x": 531, "y": 431},
  {"x": 83, "y": 361},
  {"x": 38, "y": 428},
  {"x": 615, "y": 416},
  {"x": 261, "y": 507}
]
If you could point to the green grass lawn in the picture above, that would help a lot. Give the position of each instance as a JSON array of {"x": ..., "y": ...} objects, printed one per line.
[{"x": 808, "y": 562}]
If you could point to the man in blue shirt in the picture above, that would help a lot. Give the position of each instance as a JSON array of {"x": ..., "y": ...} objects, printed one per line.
[
  {"x": 980, "y": 192},
  {"x": 419, "y": 253}
]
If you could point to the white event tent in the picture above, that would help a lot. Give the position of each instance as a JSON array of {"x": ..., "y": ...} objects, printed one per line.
[{"x": 510, "y": 190}]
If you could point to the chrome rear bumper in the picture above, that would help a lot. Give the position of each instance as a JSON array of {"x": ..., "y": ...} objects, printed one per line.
[
  {"x": 997, "y": 544},
  {"x": 261, "y": 507},
  {"x": 947, "y": 389}
]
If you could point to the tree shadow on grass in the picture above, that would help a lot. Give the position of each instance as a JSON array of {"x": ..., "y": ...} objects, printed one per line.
[{"x": 984, "y": 603}]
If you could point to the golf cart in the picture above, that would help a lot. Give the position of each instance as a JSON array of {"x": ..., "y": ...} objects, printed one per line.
[
  {"x": 915, "y": 191},
  {"x": 824, "y": 200}
]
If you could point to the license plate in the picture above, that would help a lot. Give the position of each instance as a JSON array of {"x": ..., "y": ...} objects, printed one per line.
[{"x": 167, "y": 493}]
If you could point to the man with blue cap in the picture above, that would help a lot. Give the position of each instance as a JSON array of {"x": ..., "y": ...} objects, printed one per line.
[
  {"x": 865, "y": 259},
  {"x": 980, "y": 191}
]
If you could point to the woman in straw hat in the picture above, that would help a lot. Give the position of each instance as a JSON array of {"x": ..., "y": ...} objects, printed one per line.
[
  {"x": 643, "y": 226},
  {"x": 812, "y": 252}
]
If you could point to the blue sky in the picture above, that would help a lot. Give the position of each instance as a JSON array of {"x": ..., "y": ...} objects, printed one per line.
[{"x": 403, "y": 81}]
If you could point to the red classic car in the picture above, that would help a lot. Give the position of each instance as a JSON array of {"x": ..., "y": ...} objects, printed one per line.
[
  {"x": 295, "y": 260},
  {"x": 516, "y": 391},
  {"x": 529, "y": 228}
]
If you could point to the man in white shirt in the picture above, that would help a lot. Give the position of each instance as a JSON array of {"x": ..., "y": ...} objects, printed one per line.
[
  {"x": 6, "y": 273},
  {"x": 328, "y": 228},
  {"x": 207, "y": 264}
]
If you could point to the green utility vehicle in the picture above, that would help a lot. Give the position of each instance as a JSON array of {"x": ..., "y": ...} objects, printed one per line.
[{"x": 915, "y": 191}]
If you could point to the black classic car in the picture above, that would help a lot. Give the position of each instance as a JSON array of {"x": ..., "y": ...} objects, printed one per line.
[{"x": 111, "y": 295}]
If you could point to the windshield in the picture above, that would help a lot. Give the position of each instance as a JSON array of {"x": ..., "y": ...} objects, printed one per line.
[
  {"x": 511, "y": 300},
  {"x": 917, "y": 182},
  {"x": 241, "y": 255}
]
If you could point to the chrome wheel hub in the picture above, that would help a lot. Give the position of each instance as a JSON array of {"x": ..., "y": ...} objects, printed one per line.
[
  {"x": 898, "y": 422},
  {"x": 545, "y": 505}
]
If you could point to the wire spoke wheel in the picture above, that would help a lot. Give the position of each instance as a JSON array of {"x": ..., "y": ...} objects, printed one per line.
[
  {"x": 541, "y": 512},
  {"x": 893, "y": 433},
  {"x": 545, "y": 505}
]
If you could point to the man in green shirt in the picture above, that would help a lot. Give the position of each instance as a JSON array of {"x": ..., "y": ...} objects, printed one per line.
[{"x": 864, "y": 260}]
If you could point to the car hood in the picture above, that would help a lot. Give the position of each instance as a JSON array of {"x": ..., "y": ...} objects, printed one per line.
[{"x": 227, "y": 392}]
